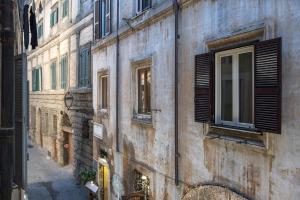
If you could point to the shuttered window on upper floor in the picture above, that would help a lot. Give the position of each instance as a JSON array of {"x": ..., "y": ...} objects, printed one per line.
[
  {"x": 54, "y": 17},
  {"x": 240, "y": 87},
  {"x": 65, "y": 9},
  {"x": 53, "y": 75},
  {"x": 85, "y": 68},
  {"x": 102, "y": 18},
  {"x": 63, "y": 72},
  {"x": 37, "y": 79}
]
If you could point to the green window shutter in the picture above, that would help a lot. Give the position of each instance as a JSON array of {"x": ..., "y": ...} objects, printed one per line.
[
  {"x": 53, "y": 75},
  {"x": 64, "y": 72},
  {"x": 33, "y": 80},
  {"x": 37, "y": 83},
  {"x": 51, "y": 20},
  {"x": 65, "y": 8}
]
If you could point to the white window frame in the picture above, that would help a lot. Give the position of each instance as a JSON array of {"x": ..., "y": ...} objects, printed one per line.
[
  {"x": 100, "y": 95},
  {"x": 139, "y": 67},
  {"x": 138, "y": 10},
  {"x": 235, "y": 87}
]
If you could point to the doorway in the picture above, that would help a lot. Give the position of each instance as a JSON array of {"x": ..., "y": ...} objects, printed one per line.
[
  {"x": 68, "y": 148},
  {"x": 40, "y": 128},
  {"x": 103, "y": 181}
]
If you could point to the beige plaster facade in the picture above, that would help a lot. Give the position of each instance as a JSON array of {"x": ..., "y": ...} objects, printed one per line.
[{"x": 52, "y": 125}]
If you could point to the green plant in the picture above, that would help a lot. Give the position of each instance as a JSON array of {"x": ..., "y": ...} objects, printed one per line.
[{"x": 87, "y": 175}]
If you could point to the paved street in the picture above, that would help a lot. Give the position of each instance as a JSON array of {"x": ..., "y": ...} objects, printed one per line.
[{"x": 48, "y": 181}]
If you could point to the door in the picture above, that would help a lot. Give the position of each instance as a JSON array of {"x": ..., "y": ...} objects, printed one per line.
[
  {"x": 68, "y": 148},
  {"x": 103, "y": 181}
]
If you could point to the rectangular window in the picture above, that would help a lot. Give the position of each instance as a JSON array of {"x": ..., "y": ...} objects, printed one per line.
[
  {"x": 143, "y": 5},
  {"x": 144, "y": 90},
  {"x": 40, "y": 30},
  {"x": 103, "y": 92},
  {"x": 63, "y": 72},
  {"x": 84, "y": 68},
  {"x": 234, "y": 87},
  {"x": 37, "y": 79},
  {"x": 53, "y": 75},
  {"x": 65, "y": 8},
  {"x": 102, "y": 18},
  {"x": 54, "y": 17}
]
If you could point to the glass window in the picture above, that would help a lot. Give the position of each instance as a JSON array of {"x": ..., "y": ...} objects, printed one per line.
[
  {"x": 234, "y": 87},
  {"x": 40, "y": 30},
  {"x": 143, "y": 5},
  {"x": 144, "y": 90},
  {"x": 54, "y": 17},
  {"x": 103, "y": 91},
  {"x": 65, "y": 8},
  {"x": 53, "y": 75},
  {"x": 226, "y": 88},
  {"x": 84, "y": 70},
  {"x": 64, "y": 72}
]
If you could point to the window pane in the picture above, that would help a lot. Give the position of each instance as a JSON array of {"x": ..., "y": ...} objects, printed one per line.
[
  {"x": 104, "y": 92},
  {"x": 148, "y": 86},
  {"x": 141, "y": 91},
  {"x": 226, "y": 88},
  {"x": 245, "y": 88}
]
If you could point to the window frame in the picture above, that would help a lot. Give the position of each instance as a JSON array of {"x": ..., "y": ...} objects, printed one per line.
[
  {"x": 62, "y": 58},
  {"x": 65, "y": 8},
  {"x": 100, "y": 91},
  {"x": 54, "y": 62},
  {"x": 140, "y": 8},
  {"x": 54, "y": 21},
  {"x": 235, "y": 86},
  {"x": 35, "y": 87},
  {"x": 82, "y": 49},
  {"x": 142, "y": 67},
  {"x": 40, "y": 30}
]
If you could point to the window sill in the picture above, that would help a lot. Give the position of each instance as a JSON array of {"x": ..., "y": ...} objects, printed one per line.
[
  {"x": 142, "y": 120},
  {"x": 237, "y": 135}
]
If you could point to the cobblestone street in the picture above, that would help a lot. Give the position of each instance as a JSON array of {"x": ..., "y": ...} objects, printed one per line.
[{"x": 48, "y": 181}]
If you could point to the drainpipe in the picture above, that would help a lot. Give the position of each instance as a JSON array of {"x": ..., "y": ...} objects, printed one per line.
[
  {"x": 117, "y": 79},
  {"x": 176, "y": 8},
  {"x": 7, "y": 96}
]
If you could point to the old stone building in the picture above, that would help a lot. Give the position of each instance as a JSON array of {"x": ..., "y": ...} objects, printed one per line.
[
  {"x": 210, "y": 113},
  {"x": 60, "y": 65}
]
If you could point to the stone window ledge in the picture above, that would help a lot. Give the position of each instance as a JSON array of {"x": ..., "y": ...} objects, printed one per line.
[
  {"x": 241, "y": 136},
  {"x": 142, "y": 120}
]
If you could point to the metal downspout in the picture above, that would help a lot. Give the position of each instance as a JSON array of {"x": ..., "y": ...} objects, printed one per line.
[
  {"x": 176, "y": 7},
  {"x": 117, "y": 79}
]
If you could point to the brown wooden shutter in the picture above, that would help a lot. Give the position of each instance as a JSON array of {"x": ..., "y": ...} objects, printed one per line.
[
  {"x": 19, "y": 124},
  {"x": 97, "y": 20},
  {"x": 203, "y": 88},
  {"x": 268, "y": 85}
]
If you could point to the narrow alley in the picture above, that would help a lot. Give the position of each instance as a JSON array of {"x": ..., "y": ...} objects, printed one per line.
[{"x": 48, "y": 181}]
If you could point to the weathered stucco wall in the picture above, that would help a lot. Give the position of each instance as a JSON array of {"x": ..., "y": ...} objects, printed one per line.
[
  {"x": 261, "y": 173},
  {"x": 269, "y": 172}
]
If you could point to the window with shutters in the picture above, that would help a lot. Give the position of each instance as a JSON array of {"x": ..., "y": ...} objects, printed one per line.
[
  {"x": 54, "y": 17},
  {"x": 85, "y": 68},
  {"x": 143, "y": 5},
  {"x": 102, "y": 18},
  {"x": 240, "y": 87},
  {"x": 65, "y": 8},
  {"x": 103, "y": 91},
  {"x": 234, "y": 87},
  {"x": 63, "y": 72},
  {"x": 53, "y": 75},
  {"x": 37, "y": 79},
  {"x": 40, "y": 29},
  {"x": 54, "y": 123}
]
